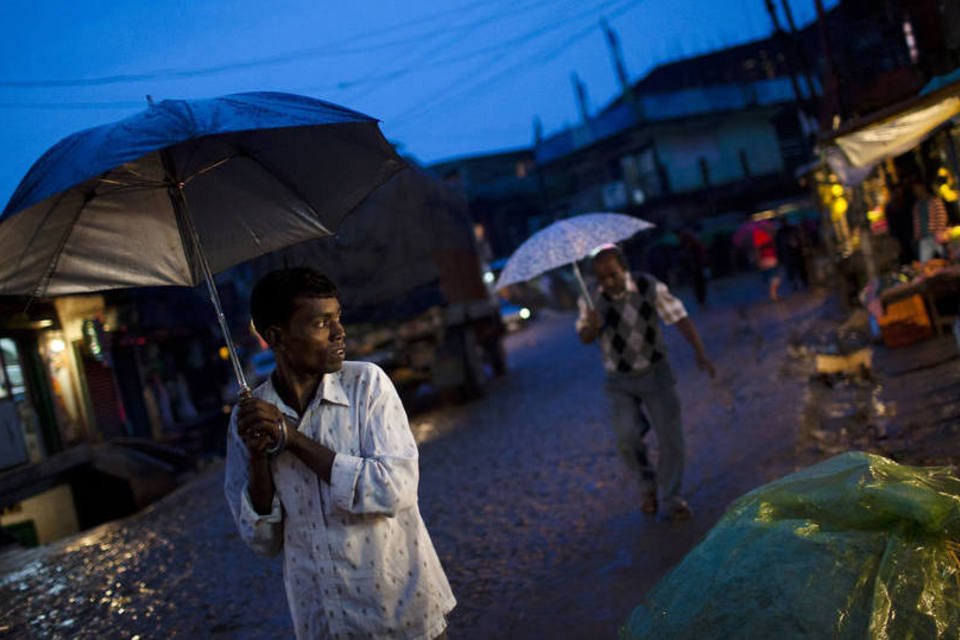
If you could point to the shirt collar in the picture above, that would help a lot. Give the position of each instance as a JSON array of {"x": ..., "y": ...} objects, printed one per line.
[{"x": 330, "y": 390}]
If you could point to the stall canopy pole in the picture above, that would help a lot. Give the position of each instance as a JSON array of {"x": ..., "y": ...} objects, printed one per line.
[{"x": 863, "y": 230}]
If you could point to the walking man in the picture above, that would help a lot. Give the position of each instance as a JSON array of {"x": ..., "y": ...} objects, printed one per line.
[
  {"x": 322, "y": 466},
  {"x": 640, "y": 383}
]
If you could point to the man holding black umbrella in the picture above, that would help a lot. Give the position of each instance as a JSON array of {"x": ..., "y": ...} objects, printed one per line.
[
  {"x": 626, "y": 319},
  {"x": 321, "y": 465}
]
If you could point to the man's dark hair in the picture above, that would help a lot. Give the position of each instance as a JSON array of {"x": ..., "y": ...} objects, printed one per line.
[
  {"x": 611, "y": 250},
  {"x": 272, "y": 299}
]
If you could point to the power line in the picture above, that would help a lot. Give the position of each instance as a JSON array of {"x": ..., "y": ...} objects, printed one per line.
[
  {"x": 491, "y": 52},
  {"x": 497, "y": 48},
  {"x": 70, "y": 106},
  {"x": 426, "y": 56},
  {"x": 445, "y": 95},
  {"x": 329, "y": 50}
]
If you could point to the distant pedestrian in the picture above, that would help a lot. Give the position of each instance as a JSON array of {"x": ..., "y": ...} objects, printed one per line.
[
  {"x": 321, "y": 465},
  {"x": 789, "y": 243},
  {"x": 765, "y": 256},
  {"x": 929, "y": 221},
  {"x": 899, "y": 214},
  {"x": 640, "y": 383},
  {"x": 695, "y": 257}
]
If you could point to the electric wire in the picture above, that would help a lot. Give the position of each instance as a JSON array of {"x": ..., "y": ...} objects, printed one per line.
[
  {"x": 447, "y": 93},
  {"x": 372, "y": 85},
  {"x": 329, "y": 50},
  {"x": 497, "y": 48},
  {"x": 488, "y": 52}
]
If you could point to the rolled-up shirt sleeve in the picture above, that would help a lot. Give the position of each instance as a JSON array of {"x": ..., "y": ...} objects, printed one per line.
[
  {"x": 669, "y": 307},
  {"x": 262, "y": 533},
  {"x": 383, "y": 479}
]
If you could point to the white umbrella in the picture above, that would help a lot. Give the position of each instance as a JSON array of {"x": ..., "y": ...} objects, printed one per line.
[{"x": 566, "y": 242}]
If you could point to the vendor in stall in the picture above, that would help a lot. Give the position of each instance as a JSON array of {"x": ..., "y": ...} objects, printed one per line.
[{"x": 929, "y": 221}]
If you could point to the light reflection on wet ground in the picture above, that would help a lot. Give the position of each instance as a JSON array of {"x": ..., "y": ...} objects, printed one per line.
[
  {"x": 908, "y": 409},
  {"x": 536, "y": 521}
]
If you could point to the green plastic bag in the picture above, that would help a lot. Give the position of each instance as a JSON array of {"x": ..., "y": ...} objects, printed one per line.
[{"x": 855, "y": 547}]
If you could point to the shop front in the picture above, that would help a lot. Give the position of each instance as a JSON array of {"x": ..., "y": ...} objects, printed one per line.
[{"x": 889, "y": 185}]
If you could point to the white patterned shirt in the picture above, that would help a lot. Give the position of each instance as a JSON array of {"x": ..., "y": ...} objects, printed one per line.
[{"x": 358, "y": 561}]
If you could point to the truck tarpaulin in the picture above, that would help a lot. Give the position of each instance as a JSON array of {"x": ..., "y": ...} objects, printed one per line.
[{"x": 408, "y": 247}]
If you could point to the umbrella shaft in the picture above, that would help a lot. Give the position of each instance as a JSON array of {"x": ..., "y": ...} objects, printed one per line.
[
  {"x": 583, "y": 285},
  {"x": 181, "y": 204}
]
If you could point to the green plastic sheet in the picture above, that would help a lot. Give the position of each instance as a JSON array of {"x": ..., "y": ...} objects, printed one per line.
[{"x": 855, "y": 547}]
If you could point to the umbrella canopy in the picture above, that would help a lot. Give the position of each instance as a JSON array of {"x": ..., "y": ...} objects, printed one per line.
[
  {"x": 566, "y": 242},
  {"x": 185, "y": 188},
  {"x": 105, "y": 208}
]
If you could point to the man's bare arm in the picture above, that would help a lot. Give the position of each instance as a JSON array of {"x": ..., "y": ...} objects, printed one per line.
[
  {"x": 313, "y": 454},
  {"x": 261, "y": 487},
  {"x": 258, "y": 424},
  {"x": 689, "y": 332},
  {"x": 257, "y": 436}
]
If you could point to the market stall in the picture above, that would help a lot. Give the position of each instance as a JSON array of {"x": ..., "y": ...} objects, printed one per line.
[
  {"x": 892, "y": 191},
  {"x": 914, "y": 303}
]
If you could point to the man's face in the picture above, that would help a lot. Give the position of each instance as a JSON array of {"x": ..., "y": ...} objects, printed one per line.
[
  {"x": 313, "y": 340},
  {"x": 610, "y": 274}
]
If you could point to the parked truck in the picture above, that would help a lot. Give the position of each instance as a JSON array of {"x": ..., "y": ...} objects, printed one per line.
[{"x": 414, "y": 300}]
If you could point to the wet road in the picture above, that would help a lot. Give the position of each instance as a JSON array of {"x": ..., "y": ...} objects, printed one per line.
[{"x": 535, "y": 520}]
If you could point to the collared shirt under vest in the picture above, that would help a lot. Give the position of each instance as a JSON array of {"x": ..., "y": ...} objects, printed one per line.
[{"x": 631, "y": 338}]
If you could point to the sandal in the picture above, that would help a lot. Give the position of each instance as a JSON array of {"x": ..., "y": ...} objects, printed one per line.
[
  {"x": 680, "y": 512},
  {"x": 649, "y": 504}
]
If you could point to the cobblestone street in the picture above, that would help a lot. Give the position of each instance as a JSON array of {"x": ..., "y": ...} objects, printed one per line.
[{"x": 536, "y": 521}]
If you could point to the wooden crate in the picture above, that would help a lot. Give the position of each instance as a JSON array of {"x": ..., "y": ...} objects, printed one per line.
[
  {"x": 905, "y": 322},
  {"x": 910, "y": 309}
]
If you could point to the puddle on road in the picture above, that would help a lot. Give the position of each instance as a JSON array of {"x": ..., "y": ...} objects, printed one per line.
[
  {"x": 849, "y": 414},
  {"x": 907, "y": 419}
]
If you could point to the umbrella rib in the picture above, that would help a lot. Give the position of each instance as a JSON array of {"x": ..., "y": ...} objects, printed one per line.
[
  {"x": 121, "y": 184},
  {"x": 132, "y": 187},
  {"x": 44, "y": 281},
  {"x": 37, "y": 229},
  {"x": 209, "y": 167}
]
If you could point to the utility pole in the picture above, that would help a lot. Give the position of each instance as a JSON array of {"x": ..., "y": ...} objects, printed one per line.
[
  {"x": 832, "y": 101},
  {"x": 580, "y": 91},
  {"x": 537, "y": 131},
  {"x": 779, "y": 38},
  {"x": 541, "y": 180},
  {"x": 616, "y": 56},
  {"x": 798, "y": 50}
]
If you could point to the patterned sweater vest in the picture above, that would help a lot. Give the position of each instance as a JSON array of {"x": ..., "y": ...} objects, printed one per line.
[{"x": 631, "y": 338}]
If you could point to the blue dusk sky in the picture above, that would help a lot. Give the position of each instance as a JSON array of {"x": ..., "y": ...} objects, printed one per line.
[{"x": 446, "y": 78}]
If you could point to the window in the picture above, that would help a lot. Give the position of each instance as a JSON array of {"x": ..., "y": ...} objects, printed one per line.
[
  {"x": 11, "y": 375},
  {"x": 641, "y": 175}
]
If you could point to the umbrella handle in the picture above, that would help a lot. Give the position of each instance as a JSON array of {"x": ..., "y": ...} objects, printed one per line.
[{"x": 583, "y": 286}]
